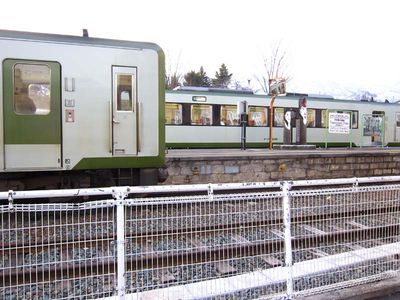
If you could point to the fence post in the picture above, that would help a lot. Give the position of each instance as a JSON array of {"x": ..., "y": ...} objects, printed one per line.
[
  {"x": 119, "y": 195},
  {"x": 285, "y": 186},
  {"x": 210, "y": 192}
]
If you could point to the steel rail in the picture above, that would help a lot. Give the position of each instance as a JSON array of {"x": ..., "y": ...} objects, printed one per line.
[{"x": 209, "y": 254}]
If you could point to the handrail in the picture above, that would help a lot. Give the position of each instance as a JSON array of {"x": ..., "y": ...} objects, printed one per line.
[{"x": 113, "y": 191}]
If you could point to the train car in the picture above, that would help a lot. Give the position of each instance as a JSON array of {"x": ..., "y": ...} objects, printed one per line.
[
  {"x": 208, "y": 118},
  {"x": 79, "y": 111}
]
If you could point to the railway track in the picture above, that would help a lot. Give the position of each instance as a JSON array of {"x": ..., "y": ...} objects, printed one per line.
[{"x": 224, "y": 239}]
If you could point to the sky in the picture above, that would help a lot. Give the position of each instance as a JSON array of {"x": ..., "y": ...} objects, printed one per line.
[{"x": 332, "y": 47}]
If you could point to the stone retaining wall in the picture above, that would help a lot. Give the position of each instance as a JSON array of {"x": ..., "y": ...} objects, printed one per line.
[{"x": 257, "y": 169}]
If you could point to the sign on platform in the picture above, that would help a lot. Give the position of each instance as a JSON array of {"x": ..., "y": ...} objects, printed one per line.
[
  {"x": 339, "y": 123},
  {"x": 277, "y": 86}
]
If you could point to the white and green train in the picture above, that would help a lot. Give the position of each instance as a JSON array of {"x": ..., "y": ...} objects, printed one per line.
[
  {"x": 79, "y": 111},
  {"x": 208, "y": 118}
]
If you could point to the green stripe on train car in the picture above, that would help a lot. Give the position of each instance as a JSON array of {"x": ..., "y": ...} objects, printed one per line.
[
  {"x": 213, "y": 145},
  {"x": 334, "y": 145},
  {"x": 161, "y": 104},
  {"x": 248, "y": 145},
  {"x": 119, "y": 162}
]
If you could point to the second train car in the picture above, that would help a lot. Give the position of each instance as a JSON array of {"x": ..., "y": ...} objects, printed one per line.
[{"x": 208, "y": 118}]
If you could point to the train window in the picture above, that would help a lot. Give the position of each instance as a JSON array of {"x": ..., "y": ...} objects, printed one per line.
[
  {"x": 228, "y": 115},
  {"x": 258, "y": 116},
  {"x": 278, "y": 116},
  {"x": 173, "y": 113},
  {"x": 124, "y": 92},
  {"x": 201, "y": 114},
  {"x": 311, "y": 117},
  {"x": 32, "y": 89},
  {"x": 354, "y": 118}
]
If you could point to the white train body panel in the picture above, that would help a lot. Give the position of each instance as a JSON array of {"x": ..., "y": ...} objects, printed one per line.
[
  {"x": 189, "y": 135},
  {"x": 88, "y": 90}
]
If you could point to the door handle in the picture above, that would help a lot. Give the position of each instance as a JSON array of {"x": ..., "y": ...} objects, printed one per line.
[{"x": 115, "y": 121}]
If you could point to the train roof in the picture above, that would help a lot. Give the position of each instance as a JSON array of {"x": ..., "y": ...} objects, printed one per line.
[
  {"x": 214, "y": 90},
  {"x": 249, "y": 93},
  {"x": 77, "y": 40}
]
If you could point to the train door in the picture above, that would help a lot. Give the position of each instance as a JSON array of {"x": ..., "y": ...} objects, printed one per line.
[
  {"x": 124, "y": 111},
  {"x": 32, "y": 114},
  {"x": 374, "y": 128}
]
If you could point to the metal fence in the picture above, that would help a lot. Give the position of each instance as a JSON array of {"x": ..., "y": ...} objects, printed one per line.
[{"x": 227, "y": 241}]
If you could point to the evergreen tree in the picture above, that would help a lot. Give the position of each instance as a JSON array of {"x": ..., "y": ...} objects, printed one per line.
[
  {"x": 205, "y": 80},
  {"x": 194, "y": 78},
  {"x": 191, "y": 79},
  {"x": 222, "y": 78}
]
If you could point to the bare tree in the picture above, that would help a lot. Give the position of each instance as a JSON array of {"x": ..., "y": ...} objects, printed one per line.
[
  {"x": 173, "y": 78},
  {"x": 274, "y": 66}
]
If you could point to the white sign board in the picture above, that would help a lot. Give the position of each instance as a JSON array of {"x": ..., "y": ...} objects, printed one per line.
[
  {"x": 339, "y": 123},
  {"x": 288, "y": 119},
  {"x": 277, "y": 86}
]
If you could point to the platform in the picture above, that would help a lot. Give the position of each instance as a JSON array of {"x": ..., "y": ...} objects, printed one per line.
[
  {"x": 273, "y": 276},
  {"x": 188, "y": 166},
  {"x": 294, "y": 147},
  {"x": 187, "y": 154}
]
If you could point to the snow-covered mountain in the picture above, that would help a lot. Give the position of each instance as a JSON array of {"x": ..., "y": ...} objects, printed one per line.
[{"x": 349, "y": 91}]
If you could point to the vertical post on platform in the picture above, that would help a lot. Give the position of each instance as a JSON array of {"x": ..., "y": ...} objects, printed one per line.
[
  {"x": 288, "y": 238},
  {"x": 287, "y": 128},
  {"x": 350, "y": 127},
  {"x": 271, "y": 119},
  {"x": 301, "y": 130},
  {"x": 242, "y": 112},
  {"x": 119, "y": 195}
]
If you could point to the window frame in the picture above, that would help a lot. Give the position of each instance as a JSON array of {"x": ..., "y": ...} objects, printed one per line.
[
  {"x": 231, "y": 109},
  {"x": 282, "y": 119},
  {"x": 122, "y": 88},
  {"x": 29, "y": 101},
  {"x": 180, "y": 109},
  {"x": 266, "y": 112},
  {"x": 210, "y": 117},
  {"x": 314, "y": 122}
]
